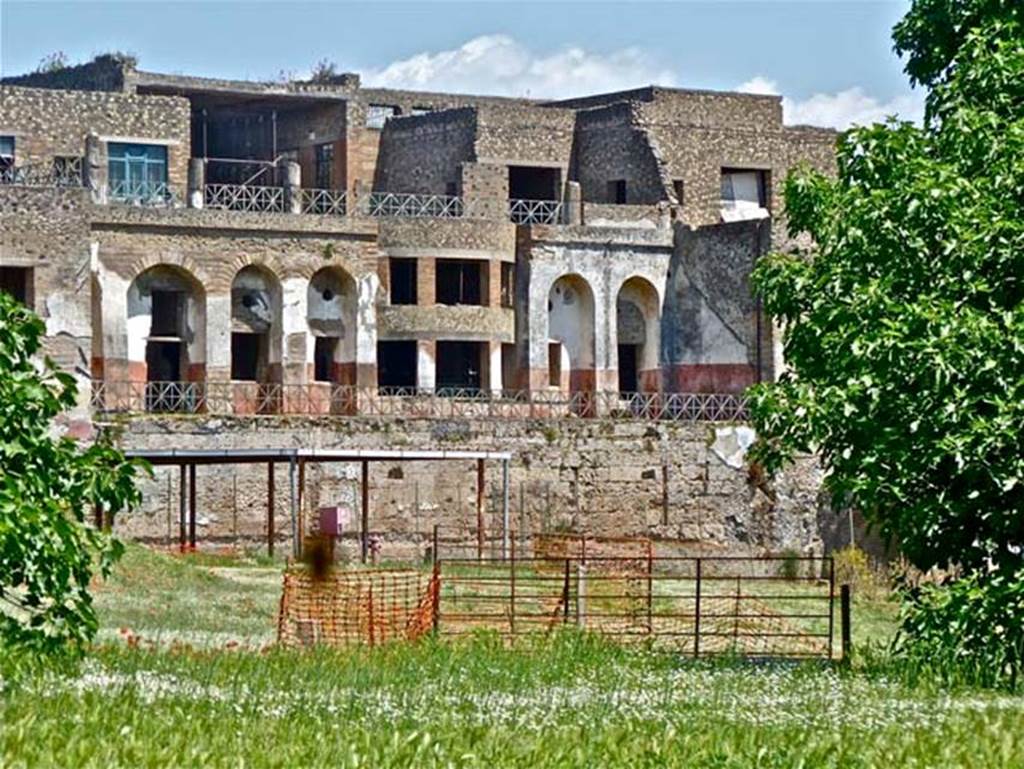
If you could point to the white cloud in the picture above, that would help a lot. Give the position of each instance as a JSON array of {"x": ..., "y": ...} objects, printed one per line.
[
  {"x": 842, "y": 109},
  {"x": 500, "y": 65}
]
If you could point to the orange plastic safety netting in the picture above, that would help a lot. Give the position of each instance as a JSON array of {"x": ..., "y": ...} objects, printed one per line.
[{"x": 358, "y": 607}]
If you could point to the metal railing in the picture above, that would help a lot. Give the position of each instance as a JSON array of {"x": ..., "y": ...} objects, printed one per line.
[
  {"x": 407, "y": 205},
  {"x": 535, "y": 211},
  {"x": 65, "y": 172},
  {"x": 244, "y": 197},
  {"x": 703, "y": 606},
  {"x": 157, "y": 194},
  {"x": 325, "y": 202},
  {"x": 321, "y": 398}
]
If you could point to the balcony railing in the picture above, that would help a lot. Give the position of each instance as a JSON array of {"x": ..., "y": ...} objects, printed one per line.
[
  {"x": 535, "y": 211},
  {"x": 325, "y": 202},
  {"x": 244, "y": 197},
  {"x": 250, "y": 398},
  {"x": 404, "y": 205},
  {"x": 67, "y": 172},
  {"x": 155, "y": 194}
]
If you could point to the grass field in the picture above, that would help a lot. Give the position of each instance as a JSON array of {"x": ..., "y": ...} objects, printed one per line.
[{"x": 178, "y": 697}]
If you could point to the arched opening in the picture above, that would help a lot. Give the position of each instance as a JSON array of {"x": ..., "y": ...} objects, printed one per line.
[
  {"x": 331, "y": 314},
  {"x": 571, "y": 355},
  {"x": 167, "y": 336},
  {"x": 256, "y": 326},
  {"x": 637, "y": 334}
]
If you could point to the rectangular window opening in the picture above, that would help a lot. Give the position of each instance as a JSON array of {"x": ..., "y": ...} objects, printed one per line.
[
  {"x": 325, "y": 166},
  {"x": 458, "y": 281},
  {"x": 324, "y": 351},
  {"x": 458, "y": 367},
  {"x": 396, "y": 366},
  {"x": 6, "y": 159},
  {"x": 509, "y": 368},
  {"x": 247, "y": 352},
  {"x": 617, "y": 191},
  {"x": 508, "y": 287},
  {"x": 137, "y": 172},
  {"x": 167, "y": 313},
  {"x": 377, "y": 115},
  {"x": 533, "y": 183},
  {"x": 554, "y": 364},
  {"x": 402, "y": 275},
  {"x": 17, "y": 281},
  {"x": 679, "y": 189},
  {"x": 744, "y": 194}
]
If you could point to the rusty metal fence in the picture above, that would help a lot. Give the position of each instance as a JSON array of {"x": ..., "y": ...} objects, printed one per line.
[{"x": 748, "y": 606}]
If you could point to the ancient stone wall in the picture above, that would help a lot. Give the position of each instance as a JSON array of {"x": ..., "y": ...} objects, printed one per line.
[
  {"x": 686, "y": 484},
  {"x": 423, "y": 153},
  {"x": 610, "y": 146},
  {"x": 48, "y": 123}
]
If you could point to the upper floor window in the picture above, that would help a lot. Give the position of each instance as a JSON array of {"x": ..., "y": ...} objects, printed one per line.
[
  {"x": 324, "y": 166},
  {"x": 617, "y": 191},
  {"x": 17, "y": 281},
  {"x": 137, "y": 172},
  {"x": 508, "y": 286},
  {"x": 6, "y": 158},
  {"x": 377, "y": 114},
  {"x": 744, "y": 195},
  {"x": 458, "y": 281},
  {"x": 403, "y": 280}
]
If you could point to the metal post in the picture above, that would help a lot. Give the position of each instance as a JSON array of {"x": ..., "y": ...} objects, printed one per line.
[
  {"x": 581, "y": 595},
  {"x": 844, "y": 621},
  {"x": 365, "y": 509},
  {"x": 696, "y": 617},
  {"x": 293, "y": 498},
  {"x": 182, "y": 506},
  {"x": 436, "y": 596},
  {"x": 192, "y": 506},
  {"x": 479, "y": 509},
  {"x": 831, "y": 602},
  {"x": 270, "y": 509},
  {"x": 650, "y": 587},
  {"x": 565, "y": 594},
  {"x": 435, "y": 555},
  {"x": 505, "y": 513},
  {"x": 512, "y": 588},
  {"x": 302, "y": 496}
]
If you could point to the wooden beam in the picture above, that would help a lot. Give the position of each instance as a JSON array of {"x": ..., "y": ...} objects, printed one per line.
[
  {"x": 365, "y": 509},
  {"x": 270, "y": 509},
  {"x": 192, "y": 506}
]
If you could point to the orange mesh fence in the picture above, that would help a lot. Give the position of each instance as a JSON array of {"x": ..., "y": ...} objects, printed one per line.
[{"x": 358, "y": 607}]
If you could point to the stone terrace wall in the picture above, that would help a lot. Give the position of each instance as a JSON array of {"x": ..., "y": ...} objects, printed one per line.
[
  {"x": 685, "y": 483},
  {"x": 610, "y": 145},
  {"x": 527, "y": 135}
]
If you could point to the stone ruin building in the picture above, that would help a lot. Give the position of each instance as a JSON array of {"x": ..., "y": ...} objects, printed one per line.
[{"x": 231, "y": 264}]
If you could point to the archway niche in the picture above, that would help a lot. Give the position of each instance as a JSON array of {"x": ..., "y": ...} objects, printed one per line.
[
  {"x": 571, "y": 340},
  {"x": 637, "y": 334},
  {"x": 331, "y": 314}
]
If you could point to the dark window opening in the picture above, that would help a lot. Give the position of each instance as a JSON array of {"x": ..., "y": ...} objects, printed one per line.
[
  {"x": 403, "y": 280},
  {"x": 17, "y": 281},
  {"x": 617, "y": 191},
  {"x": 6, "y": 159},
  {"x": 532, "y": 183},
  {"x": 679, "y": 189},
  {"x": 628, "y": 376},
  {"x": 451, "y": 189},
  {"x": 508, "y": 368},
  {"x": 458, "y": 367},
  {"x": 324, "y": 166},
  {"x": 555, "y": 364},
  {"x": 508, "y": 285},
  {"x": 67, "y": 170},
  {"x": 163, "y": 361},
  {"x": 458, "y": 281},
  {"x": 246, "y": 354},
  {"x": 744, "y": 194},
  {"x": 396, "y": 365},
  {"x": 324, "y": 350},
  {"x": 167, "y": 313}
]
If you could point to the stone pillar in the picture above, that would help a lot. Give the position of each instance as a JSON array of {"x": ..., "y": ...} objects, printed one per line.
[
  {"x": 94, "y": 169},
  {"x": 292, "y": 187},
  {"x": 366, "y": 331},
  {"x": 196, "y": 182},
  {"x": 494, "y": 382},
  {"x": 426, "y": 281},
  {"x": 492, "y": 282},
  {"x": 572, "y": 210},
  {"x": 426, "y": 364}
]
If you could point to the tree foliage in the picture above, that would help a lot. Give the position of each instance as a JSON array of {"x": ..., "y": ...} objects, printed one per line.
[
  {"x": 49, "y": 487},
  {"x": 904, "y": 330}
]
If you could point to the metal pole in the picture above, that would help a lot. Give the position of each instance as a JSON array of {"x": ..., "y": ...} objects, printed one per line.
[
  {"x": 435, "y": 555},
  {"x": 831, "y": 602},
  {"x": 844, "y": 621},
  {"x": 293, "y": 498},
  {"x": 479, "y": 509},
  {"x": 182, "y": 506},
  {"x": 192, "y": 506},
  {"x": 650, "y": 587},
  {"x": 270, "y": 509},
  {"x": 565, "y": 594},
  {"x": 696, "y": 617},
  {"x": 505, "y": 513},
  {"x": 512, "y": 589},
  {"x": 365, "y": 509},
  {"x": 302, "y": 496}
]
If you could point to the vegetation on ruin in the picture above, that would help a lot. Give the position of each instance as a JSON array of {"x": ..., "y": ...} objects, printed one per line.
[
  {"x": 905, "y": 332},
  {"x": 48, "y": 485}
]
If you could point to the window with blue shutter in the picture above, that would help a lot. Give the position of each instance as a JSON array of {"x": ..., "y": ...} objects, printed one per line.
[{"x": 137, "y": 171}]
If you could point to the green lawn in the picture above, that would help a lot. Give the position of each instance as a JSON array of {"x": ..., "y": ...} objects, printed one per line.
[{"x": 565, "y": 700}]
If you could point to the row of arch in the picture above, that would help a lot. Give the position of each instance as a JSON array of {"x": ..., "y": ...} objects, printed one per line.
[
  {"x": 167, "y": 323},
  {"x": 572, "y": 333}
]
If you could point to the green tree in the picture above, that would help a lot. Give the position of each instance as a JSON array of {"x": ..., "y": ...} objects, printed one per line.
[
  {"x": 49, "y": 487},
  {"x": 904, "y": 325}
]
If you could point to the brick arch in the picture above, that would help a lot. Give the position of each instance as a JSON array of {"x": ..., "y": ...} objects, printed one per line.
[
  {"x": 179, "y": 261},
  {"x": 224, "y": 276},
  {"x": 307, "y": 268}
]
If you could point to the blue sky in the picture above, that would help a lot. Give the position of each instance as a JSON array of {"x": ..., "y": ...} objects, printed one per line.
[{"x": 831, "y": 59}]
